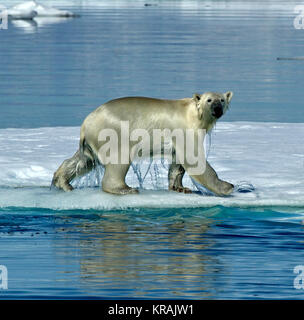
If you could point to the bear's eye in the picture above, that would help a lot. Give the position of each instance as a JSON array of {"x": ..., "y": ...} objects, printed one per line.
[
  {"x": 222, "y": 100},
  {"x": 209, "y": 100}
]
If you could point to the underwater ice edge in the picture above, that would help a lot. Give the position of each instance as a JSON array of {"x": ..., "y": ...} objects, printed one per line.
[{"x": 267, "y": 155}]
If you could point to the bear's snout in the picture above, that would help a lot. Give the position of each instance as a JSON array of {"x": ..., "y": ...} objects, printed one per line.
[{"x": 217, "y": 109}]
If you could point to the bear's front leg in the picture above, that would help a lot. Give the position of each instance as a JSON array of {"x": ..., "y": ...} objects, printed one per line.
[{"x": 210, "y": 180}]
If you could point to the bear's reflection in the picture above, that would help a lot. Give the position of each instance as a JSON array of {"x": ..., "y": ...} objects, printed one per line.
[{"x": 144, "y": 253}]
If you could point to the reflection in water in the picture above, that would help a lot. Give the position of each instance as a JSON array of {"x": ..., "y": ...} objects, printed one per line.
[
  {"x": 144, "y": 254},
  {"x": 44, "y": 21},
  {"x": 30, "y": 26}
]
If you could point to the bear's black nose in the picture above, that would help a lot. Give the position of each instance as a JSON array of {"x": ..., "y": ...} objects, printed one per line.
[{"x": 217, "y": 111}]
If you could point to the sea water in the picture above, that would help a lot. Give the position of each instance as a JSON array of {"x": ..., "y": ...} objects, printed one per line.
[{"x": 157, "y": 244}]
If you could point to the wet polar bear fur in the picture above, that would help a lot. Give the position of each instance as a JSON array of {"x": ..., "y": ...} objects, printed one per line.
[{"x": 199, "y": 112}]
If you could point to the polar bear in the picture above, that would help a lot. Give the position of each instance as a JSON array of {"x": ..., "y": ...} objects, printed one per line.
[{"x": 197, "y": 113}]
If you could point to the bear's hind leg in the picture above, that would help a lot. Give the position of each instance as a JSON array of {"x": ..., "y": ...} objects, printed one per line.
[
  {"x": 114, "y": 179},
  {"x": 175, "y": 177},
  {"x": 78, "y": 165}
]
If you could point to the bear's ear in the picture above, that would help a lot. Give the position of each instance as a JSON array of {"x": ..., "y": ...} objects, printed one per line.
[
  {"x": 196, "y": 97},
  {"x": 228, "y": 95}
]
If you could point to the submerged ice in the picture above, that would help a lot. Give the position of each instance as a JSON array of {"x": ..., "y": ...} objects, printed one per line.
[{"x": 265, "y": 161}]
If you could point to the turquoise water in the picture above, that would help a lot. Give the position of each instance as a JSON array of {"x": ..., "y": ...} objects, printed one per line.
[{"x": 54, "y": 73}]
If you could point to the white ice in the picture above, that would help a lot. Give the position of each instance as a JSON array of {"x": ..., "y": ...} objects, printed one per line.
[
  {"x": 270, "y": 156},
  {"x": 32, "y": 9}
]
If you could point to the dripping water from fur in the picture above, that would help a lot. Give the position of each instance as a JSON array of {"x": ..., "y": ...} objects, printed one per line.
[{"x": 150, "y": 174}]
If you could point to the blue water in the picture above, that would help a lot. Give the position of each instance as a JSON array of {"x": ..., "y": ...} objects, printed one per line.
[
  {"x": 153, "y": 253},
  {"x": 55, "y": 74}
]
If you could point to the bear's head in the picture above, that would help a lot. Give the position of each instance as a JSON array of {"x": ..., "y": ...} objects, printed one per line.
[{"x": 212, "y": 105}]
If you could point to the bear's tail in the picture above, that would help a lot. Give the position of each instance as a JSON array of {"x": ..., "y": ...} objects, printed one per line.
[
  {"x": 85, "y": 160},
  {"x": 85, "y": 151}
]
